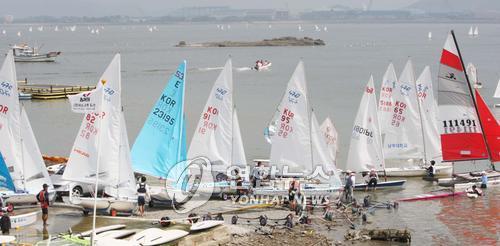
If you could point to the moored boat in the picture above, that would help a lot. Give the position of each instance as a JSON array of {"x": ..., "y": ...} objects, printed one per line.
[{"x": 25, "y": 53}]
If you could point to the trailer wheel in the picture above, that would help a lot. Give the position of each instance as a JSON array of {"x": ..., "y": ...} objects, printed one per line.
[
  {"x": 234, "y": 219},
  {"x": 263, "y": 220}
]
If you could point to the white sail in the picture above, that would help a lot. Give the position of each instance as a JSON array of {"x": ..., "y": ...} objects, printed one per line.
[
  {"x": 18, "y": 144},
  {"x": 429, "y": 113},
  {"x": 429, "y": 35},
  {"x": 497, "y": 91},
  {"x": 403, "y": 139},
  {"x": 121, "y": 175},
  {"x": 213, "y": 135},
  {"x": 239, "y": 158},
  {"x": 98, "y": 130},
  {"x": 472, "y": 73},
  {"x": 386, "y": 101},
  {"x": 476, "y": 31},
  {"x": 321, "y": 154},
  {"x": 331, "y": 137},
  {"x": 291, "y": 151},
  {"x": 365, "y": 149},
  {"x": 34, "y": 170},
  {"x": 471, "y": 33}
]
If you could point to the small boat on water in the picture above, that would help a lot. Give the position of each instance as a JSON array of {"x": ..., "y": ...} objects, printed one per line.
[
  {"x": 365, "y": 149},
  {"x": 25, "y": 53},
  {"x": 262, "y": 65},
  {"x": 469, "y": 130}
]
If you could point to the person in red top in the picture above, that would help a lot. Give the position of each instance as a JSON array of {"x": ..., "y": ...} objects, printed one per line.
[{"x": 43, "y": 198}]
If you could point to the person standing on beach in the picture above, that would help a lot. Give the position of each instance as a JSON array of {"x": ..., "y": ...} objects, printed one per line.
[
  {"x": 142, "y": 192},
  {"x": 484, "y": 180},
  {"x": 257, "y": 175},
  {"x": 43, "y": 198}
]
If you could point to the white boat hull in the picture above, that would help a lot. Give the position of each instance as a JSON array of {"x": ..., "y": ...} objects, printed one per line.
[
  {"x": 108, "y": 204},
  {"x": 441, "y": 171},
  {"x": 38, "y": 58},
  {"x": 22, "y": 220},
  {"x": 23, "y": 198}
]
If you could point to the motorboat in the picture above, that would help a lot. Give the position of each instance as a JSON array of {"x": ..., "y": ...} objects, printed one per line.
[
  {"x": 25, "y": 53},
  {"x": 262, "y": 65}
]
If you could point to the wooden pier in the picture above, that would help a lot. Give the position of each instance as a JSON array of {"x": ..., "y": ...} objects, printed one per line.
[{"x": 47, "y": 91}]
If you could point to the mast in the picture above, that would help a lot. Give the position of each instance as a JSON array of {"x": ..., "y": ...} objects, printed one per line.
[
  {"x": 472, "y": 95},
  {"x": 22, "y": 149},
  {"x": 309, "y": 117},
  {"x": 100, "y": 118},
  {"x": 179, "y": 149},
  {"x": 419, "y": 104}
]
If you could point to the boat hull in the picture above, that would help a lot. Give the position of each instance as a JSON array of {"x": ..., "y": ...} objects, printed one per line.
[
  {"x": 431, "y": 196},
  {"x": 106, "y": 204},
  {"x": 441, "y": 171},
  {"x": 22, "y": 220},
  {"x": 383, "y": 185},
  {"x": 49, "y": 57}
]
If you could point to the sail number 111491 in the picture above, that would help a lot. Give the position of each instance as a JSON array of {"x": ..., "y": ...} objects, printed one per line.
[{"x": 460, "y": 126}]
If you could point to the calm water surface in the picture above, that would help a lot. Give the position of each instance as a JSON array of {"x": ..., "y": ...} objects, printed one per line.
[{"x": 336, "y": 74}]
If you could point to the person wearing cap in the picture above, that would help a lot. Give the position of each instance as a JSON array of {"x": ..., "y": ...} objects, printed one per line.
[
  {"x": 484, "y": 180},
  {"x": 43, "y": 198},
  {"x": 372, "y": 180},
  {"x": 349, "y": 185},
  {"x": 431, "y": 171}
]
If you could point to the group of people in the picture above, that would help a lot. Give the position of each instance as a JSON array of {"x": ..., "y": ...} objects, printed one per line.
[
  {"x": 371, "y": 179},
  {"x": 260, "y": 63}
]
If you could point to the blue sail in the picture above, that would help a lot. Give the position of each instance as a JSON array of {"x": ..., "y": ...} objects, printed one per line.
[
  {"x": 161, "y": 143},
  {"x": 5, "y": 178}
]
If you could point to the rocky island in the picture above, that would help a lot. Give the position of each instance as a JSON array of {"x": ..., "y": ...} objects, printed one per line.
[{"x": 283, "y": 41}]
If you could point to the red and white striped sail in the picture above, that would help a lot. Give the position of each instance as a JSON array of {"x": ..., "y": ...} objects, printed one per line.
[
  {"x": 461, "y": 134},
  {"x": 491, "y": 127}
]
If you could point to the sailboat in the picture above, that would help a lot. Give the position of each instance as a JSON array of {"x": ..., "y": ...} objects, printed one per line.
[
  {"x": 18, "y": 143},
  {"x": 405, "y": 141},
  {"x": 217, "y": 135},
  {"x": 100, "y": 153},
  {"x": 472, "y": 72},
  {"x": 6, "y": 183},
  {"x": 365, "y": 149},
  {"x": 160, "y": 148},
  {"x": 476, "y": 32},
  {"x": 462, "y": 134},
  {"x": 331, "y": 138},
  {"x": 386, "y": 102},
  {"x": 298, "y": 147},
  {"x": 471, "y": 32},
  {"x": 429, "y": 36}
]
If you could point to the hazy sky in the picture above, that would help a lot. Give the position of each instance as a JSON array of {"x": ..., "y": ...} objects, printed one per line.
[{"x": 23, "y": 8}]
